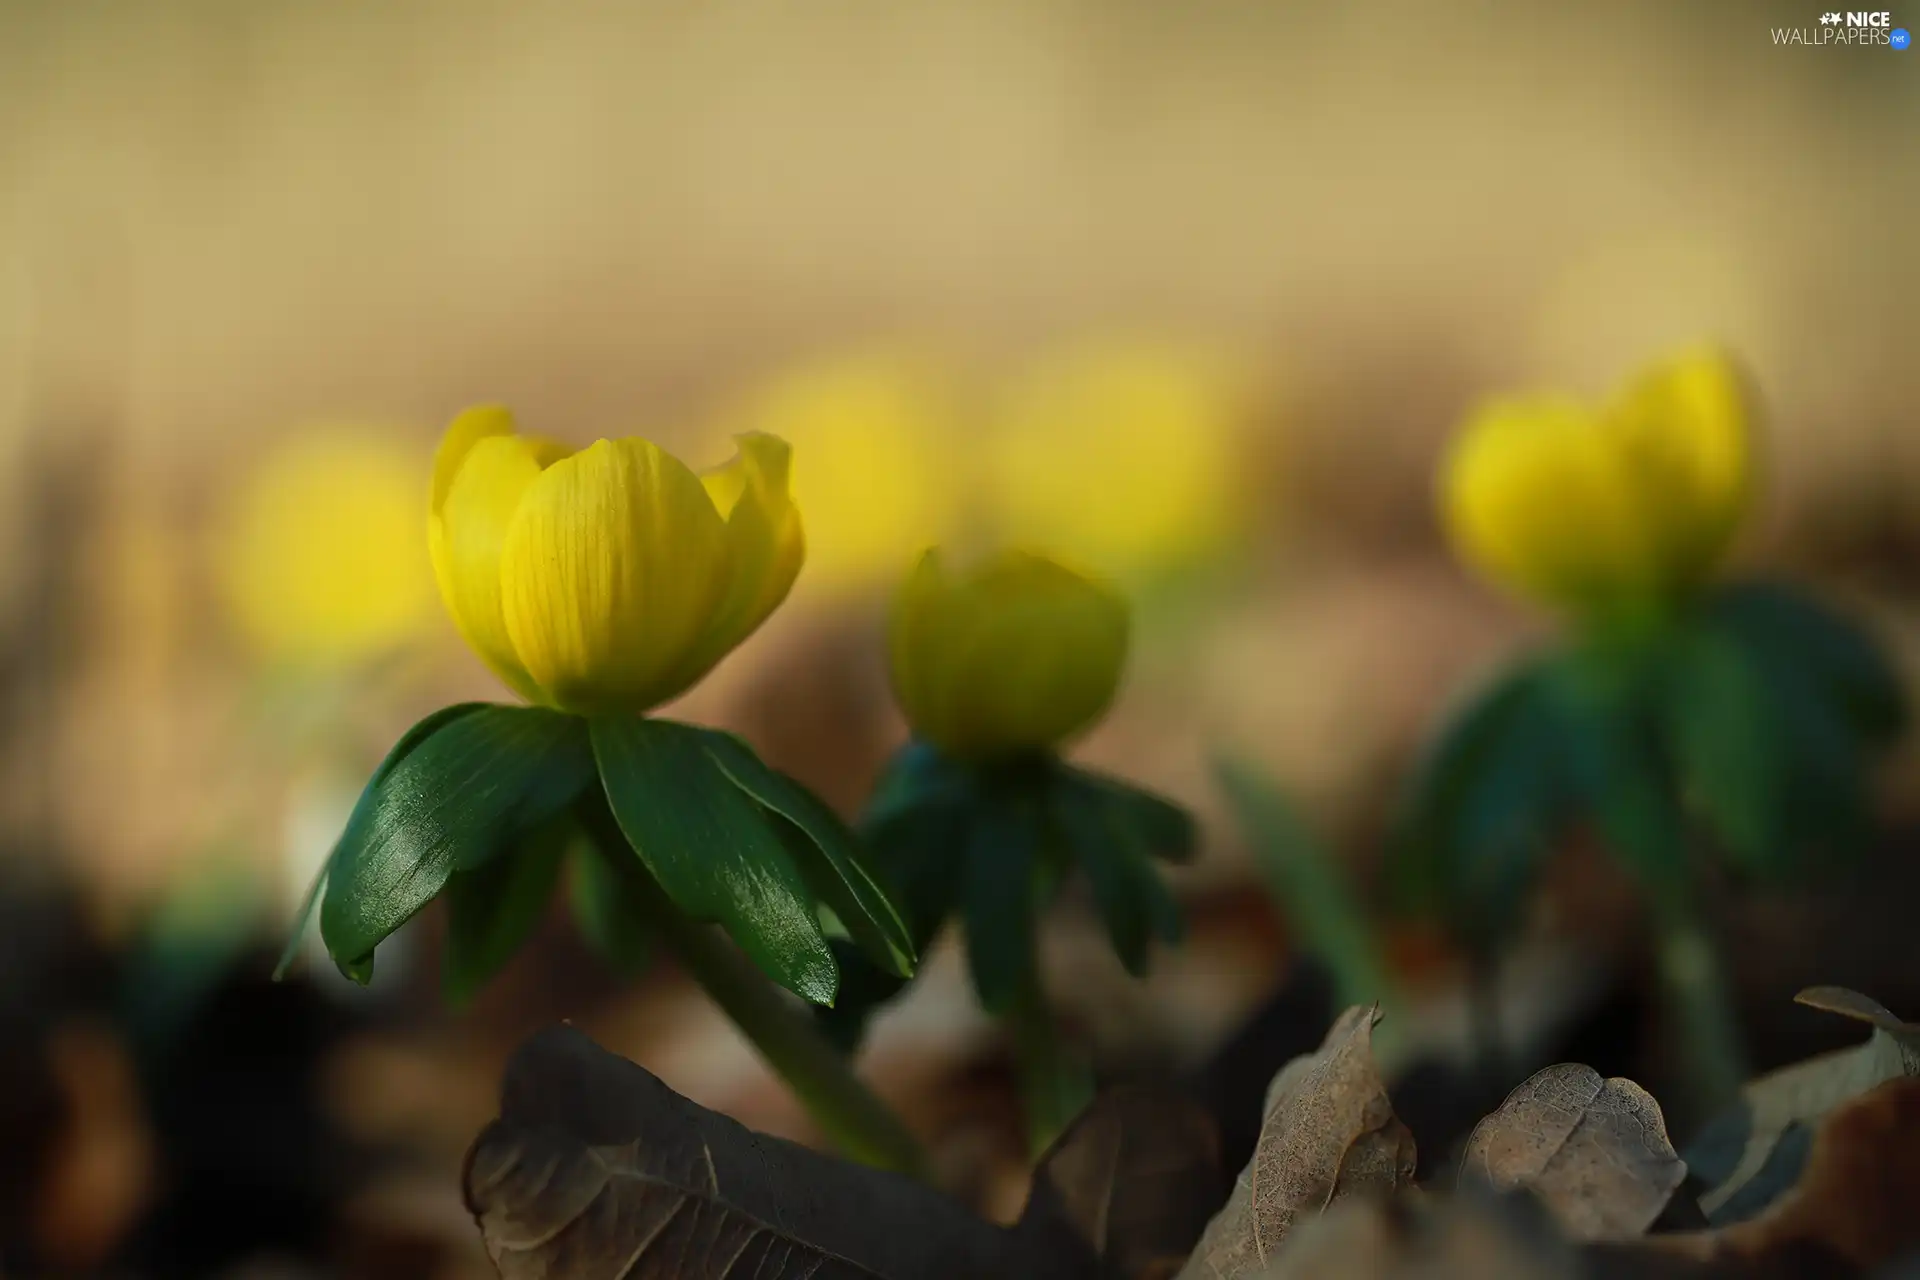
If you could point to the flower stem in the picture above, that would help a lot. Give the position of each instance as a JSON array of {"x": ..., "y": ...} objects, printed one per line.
[
  {"x": 849, "y": 1113},
  {"x": 1700, "y": 1002}
]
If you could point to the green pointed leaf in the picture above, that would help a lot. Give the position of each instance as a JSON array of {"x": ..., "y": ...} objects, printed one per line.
[
  {"x": 1112, "y": 852},
  {"x": 606, "y": 912},
  {"x": 921, "y": 850},
  {"x": 1056, "y": 1079},
  {"x": 1727, "y": 745},
  {"x": 716, "y": 853},
  {"x": 492, "y": 910},
  {"x": 917, "y": 776},
  {"x": 1835, "y": 703},
  {"x": 1161, "y": 827},
  {"x": 827, "y": 853},
  {"x": 1624, "y": 783},
  {"x": 466, "y": 792},
  {"x": 1310, "y": 886},
  {"x": 1799, "y": 639},
  {"x": 1485, "y": 804},
  {"x": 998, "y": 895},
  {"x": 310, "y": 902}
]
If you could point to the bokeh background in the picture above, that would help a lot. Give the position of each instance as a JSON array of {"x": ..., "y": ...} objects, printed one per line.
[{"x": 1191, "y": 292}]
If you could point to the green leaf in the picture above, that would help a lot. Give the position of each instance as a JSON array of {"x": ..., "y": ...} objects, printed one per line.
[
  {"x": 998, "y": 895},
  {"x": 1727, "y": 746},
  {"x": 1485, "y": 804},
  {"x": 864, "y": 989},
  {"x": 827, "y": 854},
  {"x": 1162, "y": 827},
  {"x": 1798, "y": 639},
  {"x": 1313, "y": 893},
  {"x": 492, "y": 910},
  {"x": 1056, "y": 1080},
  {"x": 468, "y": 790},
  {"x": 1835, "y": 703},
  {"x": 310, "y": 902},
  {"x": 1624, "y": 781},
  {"x": 716, "y": 853},
  {"x": 606, "y": 912},
  {"x": 920, "y": 848},
  {"x": 923, "y": 855},
  {"x": 917, "y": 776},
  {"x": 1099, "y": 829}
]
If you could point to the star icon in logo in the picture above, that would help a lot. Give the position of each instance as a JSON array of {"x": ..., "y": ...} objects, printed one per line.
[
  {"x": 1898, "y": 38},
  {"x": 1829, "y": 19}
]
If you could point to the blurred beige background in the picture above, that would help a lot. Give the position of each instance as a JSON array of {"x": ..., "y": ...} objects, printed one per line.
[
  {"x": 226, "y": 225},
  {"x": 221, "y": 222}
]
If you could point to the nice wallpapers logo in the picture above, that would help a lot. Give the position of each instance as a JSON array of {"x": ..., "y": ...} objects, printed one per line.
[{"x": 1847, "y": 30}]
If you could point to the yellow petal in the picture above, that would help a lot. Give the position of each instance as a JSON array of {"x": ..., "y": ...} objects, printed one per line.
[
  {"x": 468, "y": 533},
  {"x": 1020, "y": 654},
  {"x": 611, "y": 574},
  {"x": 470, "y": 428},
  {"x": 765, "y": 544},
  {"x": 1685, "y": 424},
  {"x": 1536, "y": 496}
]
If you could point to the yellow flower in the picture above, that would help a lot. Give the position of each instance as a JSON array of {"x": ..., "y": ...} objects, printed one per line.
[
  {"x": 612, "y": 578},
  {"x": 1122, "y": 454},
  {"x": 1609, "y": 509},
  {"x": 876, "y": 473},
  {"x": 1017, "y": 654},
  {"x": 315, "y": 562}
]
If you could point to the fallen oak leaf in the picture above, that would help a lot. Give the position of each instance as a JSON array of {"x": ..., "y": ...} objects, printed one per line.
[
  {"x": 1468, "y": 1237},
  {"x": 1858, "y": 1200},
  {"x": 595, "y": 1169},
  {"x": 1134, "y": 1178},
  {"x": 1510, "y": 1237},
  {"x": 1330, "y": 1133},
  {"x": 1753, "y": 1152},
  {"x": 1594, "y": 1151}
]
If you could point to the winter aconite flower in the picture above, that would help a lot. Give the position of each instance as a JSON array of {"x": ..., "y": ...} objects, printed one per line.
[
  {"x": 1609, "y": 509},
  {"x": 1014, "y": 655},
  {"x": 613, "y": 578},
  {"x": 979, "y": 819}
]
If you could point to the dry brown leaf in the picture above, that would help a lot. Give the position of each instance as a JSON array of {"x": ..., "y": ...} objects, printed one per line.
[
  {"x": 1135, "y": 1178},
  {"x": 1461, "y": 1239},
  {"x": 1330, "y": 1132},
  {"x": 1859, "y": 1198},
  {"x": 596, "y": 1169},
  {"x": 1595, "y": 1151},
  {"x": 1740, "y": 1153}
]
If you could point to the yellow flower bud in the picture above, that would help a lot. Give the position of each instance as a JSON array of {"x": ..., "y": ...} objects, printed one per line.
[
  {"x": 1017, "y": 654},
  {"x": 1600, "y": 510},
  {"x": 612, "y": 578}
]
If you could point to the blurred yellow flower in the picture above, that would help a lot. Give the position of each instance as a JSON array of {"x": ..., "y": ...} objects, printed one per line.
[
  {"x": 875, "y": 469},
  {"x": 319, "y": 558},
  {"x": 1016, "y": 654},
  {"x": 1124, "y": 455},
  {"x": 612, "y": 578},
  {"x": 1600, "y": 510}
]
